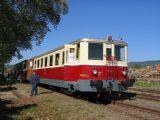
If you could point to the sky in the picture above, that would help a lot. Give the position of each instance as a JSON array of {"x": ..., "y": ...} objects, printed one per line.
[{"x": 137, "y": 22}]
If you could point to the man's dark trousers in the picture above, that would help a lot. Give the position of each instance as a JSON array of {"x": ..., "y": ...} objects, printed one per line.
[{"x": 34, "y": 89}]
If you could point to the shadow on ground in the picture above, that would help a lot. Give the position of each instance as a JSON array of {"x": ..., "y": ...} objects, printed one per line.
[
  {"x": 7, "y": 110},
  {"x": 9, "y": 107},
  {"x": 7, "y": 82},
  {"x": 8, "y": 88},
  {"x": 46, "y": 92},
  {"x": 92, "y": 97},
  {"x": 106, "y": 98}
]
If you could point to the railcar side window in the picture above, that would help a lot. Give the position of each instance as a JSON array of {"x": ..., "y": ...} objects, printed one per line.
[
  {"x": 72, "y": 50},
  {"x": 51, "y": 60},
  {"x": 38, "y": 64},
  {"x": 41, "y": 62},
  {"x": 66, "y": 55},
  {"x": 24, "y": 66},
  {"x": 95, "y": 51},
  {"x": 57, "y": 59},
  {"x": 63, "y": 58},
  {"x": 71, "y": 55},
  {"x": 45, "y": 61},
  {"x": 35, "y": 64},
  {"x": 78, "y": 51},
  {"x": 119, "y": 52},
  {"x": 30, "y": 64}
]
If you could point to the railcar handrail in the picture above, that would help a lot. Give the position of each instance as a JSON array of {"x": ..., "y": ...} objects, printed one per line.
[{"x": 111, "y": 58}]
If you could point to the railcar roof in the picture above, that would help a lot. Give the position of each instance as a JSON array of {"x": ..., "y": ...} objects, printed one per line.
[
  {"x": 24, "y": 61},
  {"x": 97, "y": 40}
]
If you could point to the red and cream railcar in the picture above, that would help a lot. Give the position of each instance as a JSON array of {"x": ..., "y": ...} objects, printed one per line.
[{"x": 86, "y": 65}]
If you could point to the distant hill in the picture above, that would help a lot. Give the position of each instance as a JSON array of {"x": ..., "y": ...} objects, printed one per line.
[{"x": 144, "y": 63}]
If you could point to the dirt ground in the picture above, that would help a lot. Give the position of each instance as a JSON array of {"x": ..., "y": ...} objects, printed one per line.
[{"x": 16, "y": 104}]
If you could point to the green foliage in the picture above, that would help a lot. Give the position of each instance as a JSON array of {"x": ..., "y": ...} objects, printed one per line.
[
  {"x": 137, "y": 66},
  {"x": 148, "y": 84},
  {"x": 31, "y": 108},
  {"x": 25, "y": 21}
]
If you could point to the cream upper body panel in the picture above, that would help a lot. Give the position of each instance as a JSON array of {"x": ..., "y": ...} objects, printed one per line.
[{"x": 77, "y": 53}]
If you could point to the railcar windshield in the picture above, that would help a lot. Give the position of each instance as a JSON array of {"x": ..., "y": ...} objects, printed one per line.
[
  {"x": 95, "y": 51},
  {"x": 119, "y": 52}
]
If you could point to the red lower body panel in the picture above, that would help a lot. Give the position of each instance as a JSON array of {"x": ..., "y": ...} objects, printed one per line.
[{"x": 83, "y": 72}]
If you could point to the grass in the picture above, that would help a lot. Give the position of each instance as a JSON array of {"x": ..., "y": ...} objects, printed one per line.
[
  {"x": 57, "y": 106},
  {"x": 148, "y": 84},
  {"x": 51, "y": 105},
  {"x": 31, "y": 109}
]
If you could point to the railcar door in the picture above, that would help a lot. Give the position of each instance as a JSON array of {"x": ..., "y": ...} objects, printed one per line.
[
  {"x": 30, "y": 67},
  {"x": 111, "y": 62},
  {"x": 70, "y": 53}
]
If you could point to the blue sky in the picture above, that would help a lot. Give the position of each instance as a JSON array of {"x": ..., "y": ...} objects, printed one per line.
[{"x": 136, "y": 21}]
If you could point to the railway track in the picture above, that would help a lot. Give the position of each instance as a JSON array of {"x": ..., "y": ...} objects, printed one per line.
[
  {"x": 153, "y": 95},
  {"x": 148, "y": 110},
  {"x": 128, "y": 113},
  {"x": 148, "y": 97},
  {"x": 137, "y": 108},
  {"x": 145, "y": 90}
]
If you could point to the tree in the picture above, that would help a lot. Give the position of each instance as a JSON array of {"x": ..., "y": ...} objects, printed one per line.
[{"x": 25, "y": 21}]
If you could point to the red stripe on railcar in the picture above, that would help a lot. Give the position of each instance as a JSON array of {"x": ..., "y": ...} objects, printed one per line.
[{"x": 83, "y": 72}]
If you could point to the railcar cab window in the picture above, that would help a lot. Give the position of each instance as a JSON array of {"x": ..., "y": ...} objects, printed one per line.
[
  {"x": 108, "y": 52},
  {"x": 95, "y": 51},
  {"x": 119, "y": 52}
]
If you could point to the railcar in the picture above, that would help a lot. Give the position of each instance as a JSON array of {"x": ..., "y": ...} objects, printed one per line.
[
  {"x": 20, "y": 69},
  {"x": 23, "y": 69},
  {"x": 85, "y": 65}
]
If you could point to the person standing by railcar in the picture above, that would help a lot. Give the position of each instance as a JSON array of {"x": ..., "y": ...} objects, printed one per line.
[{"x": 34, "y": 80}]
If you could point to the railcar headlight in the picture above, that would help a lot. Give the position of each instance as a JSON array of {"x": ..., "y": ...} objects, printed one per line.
[
  {"x": 124, "y": 72},
  {"x": 95, "y": 72}
]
